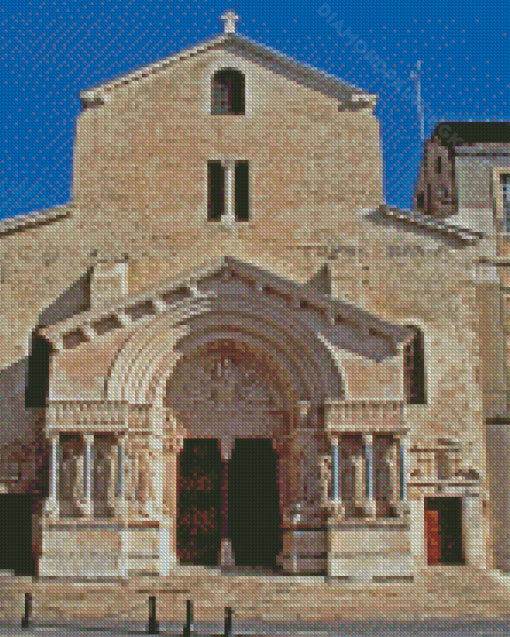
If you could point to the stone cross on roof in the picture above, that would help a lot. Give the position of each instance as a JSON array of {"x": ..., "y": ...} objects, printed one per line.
[{"x": 229, "y": 18}]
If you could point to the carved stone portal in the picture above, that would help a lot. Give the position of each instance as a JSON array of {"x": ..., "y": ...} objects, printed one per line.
[
  {"x": 225, "y": 390},
  {"x": 224, "y": 377}
]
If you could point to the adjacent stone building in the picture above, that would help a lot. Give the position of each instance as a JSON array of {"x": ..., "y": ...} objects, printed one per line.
[{"x": 227, "y": 351}]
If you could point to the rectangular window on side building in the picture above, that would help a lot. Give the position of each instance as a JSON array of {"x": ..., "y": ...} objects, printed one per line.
[{"x": 505, "y": 183}]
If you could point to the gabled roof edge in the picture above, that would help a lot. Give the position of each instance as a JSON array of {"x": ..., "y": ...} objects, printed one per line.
[
  {"x": 98, "y": 94},
  {"x": 22, "y": 222},
  {"x": 430, "y": 223},
  {"x": 398, "y": 334}
]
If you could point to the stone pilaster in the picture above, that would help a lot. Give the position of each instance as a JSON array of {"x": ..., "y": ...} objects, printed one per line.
[
  {"x": 369, "y": 456},
  {"x": 402, "y": 505},
  {"x": 88, "y": 468},
  {"x": 52, "y": 503},
  {"x": 121, "y": 503}
]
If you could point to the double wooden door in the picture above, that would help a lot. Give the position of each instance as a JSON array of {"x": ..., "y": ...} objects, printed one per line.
[
  {"x": 199, "y": 502},
  {"x": 248, "y": 512}
]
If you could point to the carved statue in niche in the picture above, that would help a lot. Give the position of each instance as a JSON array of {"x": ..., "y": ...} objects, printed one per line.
[
  {"x": 132, "y": 475},
  {"x": 143, "y": 482},
  {"x": 351, "y": 462},
  {"x": 71, "y": 475},
  {"x": 385, "y": 460},
  {"x": 310, "y": 471},
  {"x": 325, "y": 477},
  {"x": 104, "y": 476}
]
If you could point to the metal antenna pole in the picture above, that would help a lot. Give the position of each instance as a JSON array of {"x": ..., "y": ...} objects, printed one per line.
[{"x": 415, "y": 75}]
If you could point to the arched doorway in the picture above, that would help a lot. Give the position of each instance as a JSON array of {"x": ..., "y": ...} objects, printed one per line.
[{"x": 230, "y": 405}]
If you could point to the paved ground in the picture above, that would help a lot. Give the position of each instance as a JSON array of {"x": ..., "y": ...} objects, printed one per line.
[
  {"x": 432, "y": 628},
  {"x": 446, "y": 601}
]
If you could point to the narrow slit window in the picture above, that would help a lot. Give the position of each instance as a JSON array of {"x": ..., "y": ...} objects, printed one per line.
[
  {"x": 414, "y": 369},
  {"x": 241, "y": 187},
  {"x": 215, "y": 190}
]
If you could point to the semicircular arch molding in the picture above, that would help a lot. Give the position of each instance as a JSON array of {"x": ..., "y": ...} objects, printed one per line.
[{"x": 141, "y": 369}]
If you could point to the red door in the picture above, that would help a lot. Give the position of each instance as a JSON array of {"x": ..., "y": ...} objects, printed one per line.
[{"x": 433, "y": 536}]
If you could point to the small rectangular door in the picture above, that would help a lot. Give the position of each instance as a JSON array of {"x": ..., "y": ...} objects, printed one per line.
[
  {"x": 443, "y": 530},
  {"x": 16, "y": 533}
]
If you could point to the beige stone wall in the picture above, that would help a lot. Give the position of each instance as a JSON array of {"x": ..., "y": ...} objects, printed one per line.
[
  {"x": 140, "y": 189},
  {"x": 143, "y": 154}
]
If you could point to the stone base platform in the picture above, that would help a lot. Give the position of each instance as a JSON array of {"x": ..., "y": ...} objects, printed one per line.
[{"x": 462, "y": 592}]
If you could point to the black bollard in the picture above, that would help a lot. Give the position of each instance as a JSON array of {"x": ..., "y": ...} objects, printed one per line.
[
  {"x": 25, "y": 622},
  {"x": 189, "y": 627},
  {"x": 153, "y": 622},
  {"x": 228, "y": 622}
]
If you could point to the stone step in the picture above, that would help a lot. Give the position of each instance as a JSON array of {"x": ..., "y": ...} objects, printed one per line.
[{"x": 444, "y": 592}]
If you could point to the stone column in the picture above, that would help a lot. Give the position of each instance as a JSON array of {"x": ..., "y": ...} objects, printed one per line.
[
  {"x": 88, "y": 474},
  {"x": 302, "y": 423},
  {"x": 226, "y": 553},
  {"x": 370, "y": 503},
  {"x": 172, "y": 447},
  {"x": 229, "y": 166},
  {"x": 357, "y": 464},
  {"x": 393, "y": 488},
  {"x": 402, "y": 500},
  {"x": 334, "y": 470},
  {"x": 154, "y": 468},
  {"x": 52, "y": 504},
  {"x": 120, "y": 508},
  {"x": 336, "y": 494}
]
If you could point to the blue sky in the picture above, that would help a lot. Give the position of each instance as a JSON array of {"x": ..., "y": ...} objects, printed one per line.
[{"x": 52, "y": 50}]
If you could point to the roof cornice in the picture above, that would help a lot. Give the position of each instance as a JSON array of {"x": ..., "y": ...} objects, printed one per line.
[
  {"x": 333, "y": 312},
  {"x": 320, "y": 80},
  {"x": 23, "y": 222},
  {"x": 430, "y": 223}
]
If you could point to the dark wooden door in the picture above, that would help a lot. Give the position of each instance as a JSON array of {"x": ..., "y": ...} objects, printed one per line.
[
  {"x": 254, "y": 525},
  {"x": 443, "y": 529},
  {"x": 199, "y": 502},
  {"x": 451, "y": 530},
  {"x": 16, "y": 533}
]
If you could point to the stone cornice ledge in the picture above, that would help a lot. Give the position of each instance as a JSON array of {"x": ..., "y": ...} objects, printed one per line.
[
  {"x": 430, "y": 223},
  {"x": 23, "y": 222},
  {"x": 343, "y": 416}
]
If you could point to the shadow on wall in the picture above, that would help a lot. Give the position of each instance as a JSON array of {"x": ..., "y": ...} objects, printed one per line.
[{"x": 23, "y": 394}]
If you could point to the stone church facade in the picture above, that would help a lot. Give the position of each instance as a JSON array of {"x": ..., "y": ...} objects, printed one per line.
[{"x": 227, "y": 351}]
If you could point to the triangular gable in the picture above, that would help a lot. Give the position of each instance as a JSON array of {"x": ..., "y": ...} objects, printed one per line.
[
  {"x": 341, "y": 324},
  {"x": 272, "y": 59}
]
